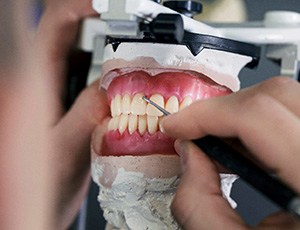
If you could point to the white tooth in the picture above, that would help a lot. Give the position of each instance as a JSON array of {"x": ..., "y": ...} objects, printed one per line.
[
  {"x": 138, "y": 105},
  {"x": 110, "y": 124},
  {"x": 113, "y": 123},
  {"x": 172, "y": 105},
  {"x": 132, "y": 123},
  {"x": 186, "y": 102},
  {"x": 142, "y": 124},
  {"x": 126, "y": 100},
  {"x": 151, "y": 110},
  {"x": 118, "y": 104},
  {"x": 123, "y": 123},
  {"x": 113, "y": 108},
  {"x": 159, "y": 126},
  {"x": 152, "y": 122}
]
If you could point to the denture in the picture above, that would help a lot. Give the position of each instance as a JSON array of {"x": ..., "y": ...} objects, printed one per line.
[{"x": 133, "y": 162}]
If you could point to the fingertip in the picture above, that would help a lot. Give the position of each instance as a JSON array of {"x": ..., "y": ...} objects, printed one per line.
[
  {"x": 163, "y": 125},
  {"x": 167, "y": 125},
  {"x": 180, "y": 146},
  {"x": 183, "y": 125},
  {"x": 91, "y": 105}
]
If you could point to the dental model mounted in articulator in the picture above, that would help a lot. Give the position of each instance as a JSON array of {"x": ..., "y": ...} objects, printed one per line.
[{"x": 143, "y": 48}]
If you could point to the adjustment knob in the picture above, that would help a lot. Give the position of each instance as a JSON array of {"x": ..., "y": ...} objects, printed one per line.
[
  {"x": 186, "y": 7},
  {"x": 168, "y": 28}
]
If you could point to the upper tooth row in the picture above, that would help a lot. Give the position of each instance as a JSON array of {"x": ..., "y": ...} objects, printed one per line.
[{"x": 137, "y": 106}]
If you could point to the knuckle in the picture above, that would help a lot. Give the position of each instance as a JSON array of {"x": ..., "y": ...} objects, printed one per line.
[
  {"x": 279, "y": 83},
  {"x": 257, "y": 100}
]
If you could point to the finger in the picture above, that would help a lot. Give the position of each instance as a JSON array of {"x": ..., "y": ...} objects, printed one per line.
[
  {"x": 62, "y": 18},
  {"x": 71, "y": 150},
  {"x": 279, "y": 221},
  {"x": 56, "y": 35},
  {"x": 75, "y": 128},
  {"x": 198, "y": 203},
  {"x": 263, "y": 124},
  {"x": 283, "y": 89},
  {"x": 80, "y": 8}
]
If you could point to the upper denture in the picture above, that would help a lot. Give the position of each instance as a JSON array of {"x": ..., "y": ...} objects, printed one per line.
[{"x": 179, "y": 84}]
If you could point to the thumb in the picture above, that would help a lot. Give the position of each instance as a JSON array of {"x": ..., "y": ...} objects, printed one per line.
[
  {"x": 71, "y": 150},
  {"x": 198, "y": 203},
  {"x": 75, "y": 128}
]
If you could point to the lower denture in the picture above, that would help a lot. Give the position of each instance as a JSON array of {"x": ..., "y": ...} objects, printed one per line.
[{"x": 128, "y": 134}]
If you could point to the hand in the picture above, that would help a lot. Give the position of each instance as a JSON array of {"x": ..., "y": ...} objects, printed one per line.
[
  {"x": 266, "y": 119},
  {"x": 69, "y": 132},
  {"x": 45, "y": 150}
]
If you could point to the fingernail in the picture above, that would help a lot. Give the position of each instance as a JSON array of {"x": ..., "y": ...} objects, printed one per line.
[
  {"x": 180, "y": 147},
  {"x": 163, "y": 122}
]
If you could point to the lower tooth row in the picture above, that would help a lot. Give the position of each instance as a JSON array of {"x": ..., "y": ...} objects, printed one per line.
[{"x": 140, "y": 123}]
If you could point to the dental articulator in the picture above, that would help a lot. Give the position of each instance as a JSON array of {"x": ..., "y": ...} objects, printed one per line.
[{"x": 232, "y": 46}]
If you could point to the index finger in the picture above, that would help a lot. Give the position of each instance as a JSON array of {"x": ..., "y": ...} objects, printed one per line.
[
  {"x": 55, "y": 37},
  {"x": 267, "y": 127}
]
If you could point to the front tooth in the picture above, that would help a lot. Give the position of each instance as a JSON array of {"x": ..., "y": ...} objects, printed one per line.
[
  {"x": 116, "y": 106},
  {"x": 138, "y": 105},
  {"x": 113, "y": 108},
  {"x": 123, "y": 123},
  {"x": 110, "y": 124},
  {"x": 159, "y": 124},
  {"x": 132, "y": 123},
  {"x": 186, "y": 102},
  {"x": 142, "y": 124},
  {"x": 113, "y": 123},
  {"x": 152, "y": 122},
  {"x": 172, "y": 105},
  {"x": 126, "y": 100},
  {"x": 151, "y": 110}
]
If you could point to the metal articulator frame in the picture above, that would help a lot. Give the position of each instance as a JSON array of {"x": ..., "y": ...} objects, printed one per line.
[{"x": 288, "y": 56}]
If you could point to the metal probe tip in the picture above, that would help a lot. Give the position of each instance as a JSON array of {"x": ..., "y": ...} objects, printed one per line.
[
  {"x": 165, "y": 112},
  {"x": 146, "y": 99},
  {"x": 294, "y": 207}
]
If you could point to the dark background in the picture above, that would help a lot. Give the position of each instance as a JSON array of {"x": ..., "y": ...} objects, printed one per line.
[{"x": 251, "y": 205}]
